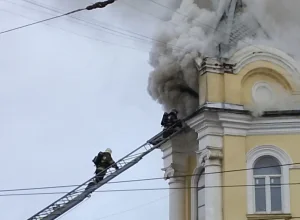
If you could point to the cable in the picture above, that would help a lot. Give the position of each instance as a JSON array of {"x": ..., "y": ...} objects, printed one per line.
[
  {"x": 128, "y": 210},
  {"x": 139, "y": 36},
  {"x": 80, "y": 35},
  {"x": 147, "y": 179},
  {"x": 90, "y": 7},
  {"x": 151, "y": 189}
]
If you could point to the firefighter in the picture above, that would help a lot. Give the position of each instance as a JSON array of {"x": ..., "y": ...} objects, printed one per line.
[
  {"x": 103, "y": 161},
  {"x": 168, "y": 121}
]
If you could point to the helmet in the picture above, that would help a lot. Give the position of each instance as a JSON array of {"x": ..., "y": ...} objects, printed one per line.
[
  {"x": 108, "y": 150},
  {"x": 174, "y": 111}
]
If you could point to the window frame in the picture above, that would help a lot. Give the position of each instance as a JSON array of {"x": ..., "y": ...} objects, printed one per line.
[
  {"x": 267, "y": 178},
  {"x": 283, "y": 158}
]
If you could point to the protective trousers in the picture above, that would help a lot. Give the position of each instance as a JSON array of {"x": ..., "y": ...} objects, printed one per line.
[{"x": 100, "y": 173}]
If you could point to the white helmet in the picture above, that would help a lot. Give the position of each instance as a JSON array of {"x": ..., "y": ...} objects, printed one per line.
[{"x": 108, "y": 150}]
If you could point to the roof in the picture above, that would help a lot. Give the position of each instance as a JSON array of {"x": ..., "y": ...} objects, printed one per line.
[{"x": 235, "y": 25}]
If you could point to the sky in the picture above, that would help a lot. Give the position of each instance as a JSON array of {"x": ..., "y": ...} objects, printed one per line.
[{"x": 70, "y": 88}]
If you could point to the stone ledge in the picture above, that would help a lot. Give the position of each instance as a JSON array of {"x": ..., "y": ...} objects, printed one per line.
[{"x": 279, "y": 216}]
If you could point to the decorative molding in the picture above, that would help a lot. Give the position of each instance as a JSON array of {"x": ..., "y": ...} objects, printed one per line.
[
  {"x": 212, "y": 65},
  {"x": 226, "y": 123},
  {"x": 271, "y": 150},
  {"x": 176, "y": 172},
  {"x": 222, "y": 105},
  {"x": 245, "y": 125},
  {"x": 263, "y": 53},
  {"x": 295, "y": 167},
  {"x": 210, "y": 156},
  {"x": 256, "y": 95},
  {"x": 269, "y": 216},
  {"x": 284, "y": 158},
  {"x": 206, "y": 123}
]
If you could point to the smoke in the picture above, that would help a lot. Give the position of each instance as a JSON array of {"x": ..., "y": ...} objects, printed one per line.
[
  {"x": 190, "y": 33},
  {"x": 174, "y": 82},
  {"x": 281, "y": 20},
  {"x": 280, "y": 100}
]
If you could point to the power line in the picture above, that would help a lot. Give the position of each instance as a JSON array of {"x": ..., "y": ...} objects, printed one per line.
[
  {"x": 90, "y": 7},
  {"x": 72, "y": 32},
  {"x": 148, "y": 179},
  {"x": 134, "y": 208},
  {"x": 146, "y": 39},
  {"x": 152, "y": 189}
]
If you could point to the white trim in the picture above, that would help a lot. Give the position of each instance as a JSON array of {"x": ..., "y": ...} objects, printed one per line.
[
  {"x": 222, "y": 123},
  {"x": 283, "y": 158},
  {"x": 194, "y": 192},
  {"x": 262, "y": 84},
  {"x": 260, "y": 52}
]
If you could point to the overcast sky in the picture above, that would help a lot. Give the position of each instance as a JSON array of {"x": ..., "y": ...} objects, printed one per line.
[{"x": 65, "y": 95}]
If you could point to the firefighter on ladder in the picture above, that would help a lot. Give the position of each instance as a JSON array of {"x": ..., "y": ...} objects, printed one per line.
[
  {"x": 168, "y": 120},
  {"x": 102, "y": 161}
]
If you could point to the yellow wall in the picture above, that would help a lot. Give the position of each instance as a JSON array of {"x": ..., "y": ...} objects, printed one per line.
[
  {"x": 235, "y": 150},
  {"x": 234, "y": 198},
  {"x": 236, "y": 88},
  {"x": 290, "y": 144}
]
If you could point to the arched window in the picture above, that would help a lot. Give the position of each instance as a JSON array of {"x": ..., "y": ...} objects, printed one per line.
[
  {"x": 201, "y": 197},
  {"x": 267, "y": 181},
  {"x": 268, "y": 189}
]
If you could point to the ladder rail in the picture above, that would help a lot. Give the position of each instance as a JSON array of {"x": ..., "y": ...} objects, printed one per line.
[
  {"x": 78, "y": 196},
  {"x": 72, "y": 203}
]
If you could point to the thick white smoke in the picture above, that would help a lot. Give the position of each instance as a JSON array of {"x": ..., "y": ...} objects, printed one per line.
[{"x": 191, "y": 33}]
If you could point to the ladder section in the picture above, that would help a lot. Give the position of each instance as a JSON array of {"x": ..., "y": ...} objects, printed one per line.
[{"x": 77, "y": 195}]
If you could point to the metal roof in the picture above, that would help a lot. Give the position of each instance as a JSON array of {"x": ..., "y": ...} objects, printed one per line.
[{"x": 235, "y": 25}]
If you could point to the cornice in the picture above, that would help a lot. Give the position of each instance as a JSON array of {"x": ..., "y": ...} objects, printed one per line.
[
  {"x": 223, "y": 123},
  {"x": 213, "y": 65}
]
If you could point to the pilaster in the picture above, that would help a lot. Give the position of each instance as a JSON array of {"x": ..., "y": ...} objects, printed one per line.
[
  {"x": 210, "y": 158},
  {"x": 175, "y": 155}
]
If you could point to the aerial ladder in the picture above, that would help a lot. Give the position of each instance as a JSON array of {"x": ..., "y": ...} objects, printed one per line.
[{"x": 82, "y": 192}]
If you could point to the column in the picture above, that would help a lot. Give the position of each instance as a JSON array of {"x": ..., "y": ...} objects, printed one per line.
[
  {"x": 176, "y": 193},
  {"x": 175, "y": 155},
  {"x": 210, "y": 158}
]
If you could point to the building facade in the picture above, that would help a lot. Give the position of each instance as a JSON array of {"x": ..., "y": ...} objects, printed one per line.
[
  {"x": 212, "y": 168},
  {"x": 231, "y": 165}
]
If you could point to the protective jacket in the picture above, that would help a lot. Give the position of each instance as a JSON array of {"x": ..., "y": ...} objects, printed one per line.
[
  {"x": 169, "y": 119},
  {"x": 103, "y": 160}
]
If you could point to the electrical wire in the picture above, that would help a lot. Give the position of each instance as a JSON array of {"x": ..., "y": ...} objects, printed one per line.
[
  {"x": 134, "y": 208},
  {"x": 146, "y": 39},
  {"x": 90, "y": 23},
  {"x": 148, "y": 179},
  {"x": 77, "y": 34},
  {"x": 90, "y": 7},
  {"x": 152, "y": 189},
  {"x": 149, "y": 38}
]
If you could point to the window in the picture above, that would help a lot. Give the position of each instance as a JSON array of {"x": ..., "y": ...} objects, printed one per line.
[
  {"x": 268, "y": 189},
  {"x": 201, "y": 197},
  {"x": 267, "y": 184}
]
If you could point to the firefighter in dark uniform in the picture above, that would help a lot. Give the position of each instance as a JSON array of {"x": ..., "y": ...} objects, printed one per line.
[
  {"x": 168, "y": 121},
  {"x": 102, "y": 161}
]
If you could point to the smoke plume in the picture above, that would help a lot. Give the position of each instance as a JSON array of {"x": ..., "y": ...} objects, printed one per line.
[{"x": 190, "y": 33}]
